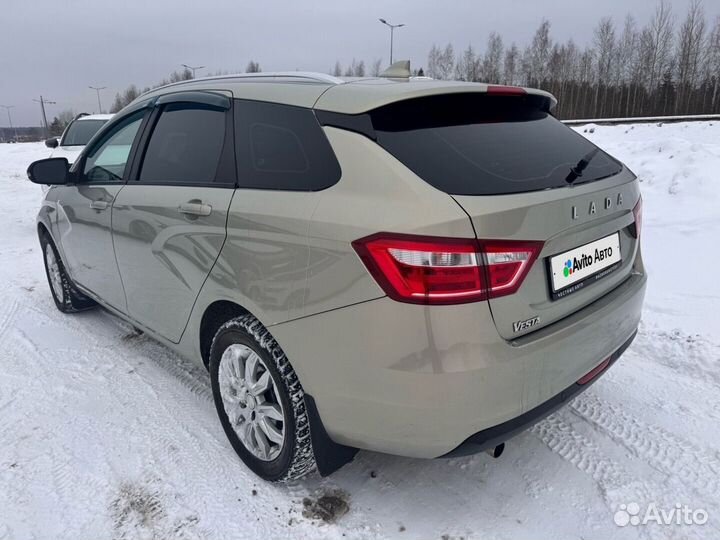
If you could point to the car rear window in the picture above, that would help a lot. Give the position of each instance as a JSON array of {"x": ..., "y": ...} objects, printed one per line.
[{"x": 476, "y": 144}]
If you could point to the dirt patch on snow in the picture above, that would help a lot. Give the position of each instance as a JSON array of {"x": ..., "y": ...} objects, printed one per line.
[{"x": 328, "y": 507}]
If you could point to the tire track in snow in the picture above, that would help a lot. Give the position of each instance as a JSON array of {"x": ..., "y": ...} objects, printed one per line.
[
  {"x": 192, "y": 441},
  {"x": 585, "y": 454},
  {"x": 616, "y": 483},
  {"x": 662, "y": 449},
  {"x": 7, "y": 314}
]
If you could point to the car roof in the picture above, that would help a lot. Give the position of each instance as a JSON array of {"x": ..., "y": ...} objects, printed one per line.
[{"x": 349, "y": 95}]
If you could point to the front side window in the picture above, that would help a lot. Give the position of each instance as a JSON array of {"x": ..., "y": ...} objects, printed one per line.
[
  {"x": 282, "y": 147},
  {"x": 185, "y": 146},
  {"x": 107, "y": 160},
  {"x": 80, "y": 132}
]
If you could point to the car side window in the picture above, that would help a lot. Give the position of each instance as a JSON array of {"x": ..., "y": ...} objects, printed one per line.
[
  {"x": 106, "y": 162},
  {"x": 186, "y": 146},
  {"x": 282, "y": 147}
]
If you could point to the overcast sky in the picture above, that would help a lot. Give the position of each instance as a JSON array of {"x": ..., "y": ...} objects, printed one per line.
[{"x": 58, "y": 47}]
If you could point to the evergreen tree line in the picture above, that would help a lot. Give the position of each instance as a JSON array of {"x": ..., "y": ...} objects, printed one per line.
[{"x": 667, "y": 67}]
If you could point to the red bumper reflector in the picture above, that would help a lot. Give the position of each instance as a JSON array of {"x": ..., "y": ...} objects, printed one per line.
[{"x": 597, "y": 370}]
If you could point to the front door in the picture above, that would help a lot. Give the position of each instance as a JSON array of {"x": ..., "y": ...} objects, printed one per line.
[
  {"x": 169, "y": 221},
  {"x": 84, "y": 212}
]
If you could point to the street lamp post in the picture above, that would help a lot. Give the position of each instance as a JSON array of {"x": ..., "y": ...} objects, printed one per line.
[
  {"x": 97, "y": 89},
  {"x": 392, "y": 31},
  {"x": 192, "y": 68},
  {"x": 7, "y": 108}
]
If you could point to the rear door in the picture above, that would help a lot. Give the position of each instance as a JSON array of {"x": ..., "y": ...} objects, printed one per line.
[
  {"x": 169, "y": 221},
  {"x": 522, "y": 176}
]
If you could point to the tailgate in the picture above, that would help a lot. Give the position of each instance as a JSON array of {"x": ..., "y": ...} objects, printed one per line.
[{"x": 564, "y": 219}]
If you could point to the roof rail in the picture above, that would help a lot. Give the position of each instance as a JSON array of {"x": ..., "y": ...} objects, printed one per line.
[
  {"x": 308, "y": 75},
  {"x": 300, "y": 75}
]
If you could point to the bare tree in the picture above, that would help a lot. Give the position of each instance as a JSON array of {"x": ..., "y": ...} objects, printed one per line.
[
  {"x": 337, "y": 70},
  {"x": 657, "y": 41},
  {"x": 491, "y": 63},
  {"x": 131, "y": 93},
  {"x": 441, "y": 62},
  {"x": 433, "y": 62},
  {"x": 466, "y": 67},
  {"x": 636, "y": 72},
  {"x": 360, "y": 69},
  {"x": 712, "y": 70},
  {"x": 605, "y": 47},
  {"x": 511, "y": 65},
  {"x": 626, "y": 65},
  {"x": 536, "y": 56},
  {"x": 376, "y": 68},
  {"x": 690, "y": 53}
]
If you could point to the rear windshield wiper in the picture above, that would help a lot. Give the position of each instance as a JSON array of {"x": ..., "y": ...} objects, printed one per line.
[{"x": 581, "y": 165}]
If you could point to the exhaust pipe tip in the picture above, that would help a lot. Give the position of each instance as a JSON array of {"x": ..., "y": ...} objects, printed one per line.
[{"x": 496, "y": 451}]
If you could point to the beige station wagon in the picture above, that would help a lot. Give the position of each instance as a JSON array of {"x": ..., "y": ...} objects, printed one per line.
[{"x": 417, "y": 267}]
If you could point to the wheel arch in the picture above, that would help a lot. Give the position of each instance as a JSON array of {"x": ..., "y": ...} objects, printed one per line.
[
  {"x": 329, "y": 455},
  {"x": 215, "y": 315},
  {"x": 43, "y": 229}
]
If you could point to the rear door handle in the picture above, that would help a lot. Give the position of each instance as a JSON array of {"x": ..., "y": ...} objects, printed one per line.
[
  {"x": 195, "y": 209},
  {"x": 99, "y": 205}
]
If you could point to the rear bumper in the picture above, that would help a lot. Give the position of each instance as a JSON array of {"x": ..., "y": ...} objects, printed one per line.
[
  {"x": 493, "y": 436},
  {"x": 419, "y": 380}
]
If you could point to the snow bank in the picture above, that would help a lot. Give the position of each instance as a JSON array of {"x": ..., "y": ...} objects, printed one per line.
[{"x": 106, "y": 434}]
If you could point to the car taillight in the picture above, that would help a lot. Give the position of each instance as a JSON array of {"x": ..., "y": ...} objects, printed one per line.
[
  {"x": 507, "y": 263},
  {"x": 637, "y": 213},
  {"x": 432, "y": 270}
]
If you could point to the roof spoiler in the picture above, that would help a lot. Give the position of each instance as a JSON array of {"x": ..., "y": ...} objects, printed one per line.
[{"x": 398, "y": 70}]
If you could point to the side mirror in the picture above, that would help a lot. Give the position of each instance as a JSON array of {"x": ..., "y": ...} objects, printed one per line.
[
  {"x": 52, "y": 171},
  {"x": 52, "y": 143}
]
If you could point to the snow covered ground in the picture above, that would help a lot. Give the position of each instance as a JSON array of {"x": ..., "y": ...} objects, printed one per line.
[{"x": 105, "y": 434}]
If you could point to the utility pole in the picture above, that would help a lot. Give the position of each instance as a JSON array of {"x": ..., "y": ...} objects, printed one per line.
[
  {"x": 7, "y": 108},
  {"x": 42, "y": 103},
  {"x": 192, "y": 68},
  {"x": 392, "y": 31},
  {"x": 97, "y": 89}
]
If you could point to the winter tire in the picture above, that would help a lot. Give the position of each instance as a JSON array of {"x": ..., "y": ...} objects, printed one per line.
[
  {"x": 66, "y": 296},
  {"x": 260, "y": 401}
]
